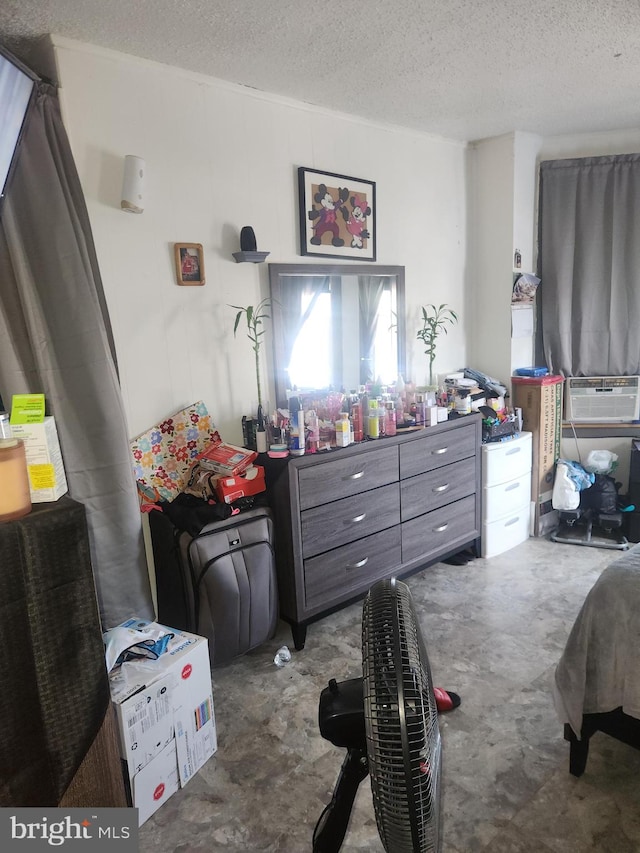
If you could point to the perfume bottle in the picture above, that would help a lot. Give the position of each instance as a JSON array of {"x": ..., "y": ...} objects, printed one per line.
[
  {"x": 390, "y": 418},
  {"x": 356, "y": 416}
]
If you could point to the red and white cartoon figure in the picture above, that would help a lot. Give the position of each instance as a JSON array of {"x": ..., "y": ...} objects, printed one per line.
[
  {"x": 325, "y": 218},
  {"x": 356, "y": 221}
]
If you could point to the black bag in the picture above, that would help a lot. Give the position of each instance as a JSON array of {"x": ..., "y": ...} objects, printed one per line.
[
  {"x": 601, "y": 497},
  {"x": 220, "y": 583}
]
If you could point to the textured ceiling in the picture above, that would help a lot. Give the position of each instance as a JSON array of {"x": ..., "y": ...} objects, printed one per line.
[{"x": 464, "y": 69}]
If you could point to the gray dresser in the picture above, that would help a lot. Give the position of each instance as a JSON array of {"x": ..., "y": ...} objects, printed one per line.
[{"x": 349, "y": 517}]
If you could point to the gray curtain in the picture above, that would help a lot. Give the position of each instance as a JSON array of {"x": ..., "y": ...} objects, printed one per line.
[
  {"x": 55, "y": 338},
  {"x": 370, "y": 288},
  {"x": 589, "y": 264}
]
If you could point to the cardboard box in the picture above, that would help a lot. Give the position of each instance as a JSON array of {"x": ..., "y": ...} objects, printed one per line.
[
  {"x": 47, "y": 480},
  {"x": 155, "y": 783},
  {"x": 250, "y": 482},
  {"x": 164, "y": 705},
  {"x": 540, "y": 399},
  {"x": 226, "y": 459}
]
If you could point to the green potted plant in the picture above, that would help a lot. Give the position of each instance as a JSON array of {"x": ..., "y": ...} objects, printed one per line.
[
  {"x": 254, "y": 316},
  {"x": 434, "y": 322}
]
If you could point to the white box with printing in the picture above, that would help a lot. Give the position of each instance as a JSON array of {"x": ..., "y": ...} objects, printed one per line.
[
  {"x": 47, "y": 480},
  {"x": 165, "y": 701}
]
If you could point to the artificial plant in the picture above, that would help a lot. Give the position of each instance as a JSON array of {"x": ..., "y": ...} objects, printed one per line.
[
  {"x": 434, "y": 322},
  {"x": 254, "y": 315}
]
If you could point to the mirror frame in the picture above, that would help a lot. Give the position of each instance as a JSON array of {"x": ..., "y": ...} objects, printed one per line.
[{"x": 276, "y": 272}]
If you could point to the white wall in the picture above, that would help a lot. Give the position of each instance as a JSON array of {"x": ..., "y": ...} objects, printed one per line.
[
  {"x": 590, "y": 144},
  {"x": 503, "y": 172},
  {"x": 491, "y": 255},
  {"x": 219, "y": 157}
]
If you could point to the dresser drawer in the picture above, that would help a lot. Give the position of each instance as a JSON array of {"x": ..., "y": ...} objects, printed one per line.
[
  {"x": 436, "y": 488},
  {"x": 349, "y": 475},
  {"x": 436, "y": 531},
  {"x": 434, "y": 451},
  {"x": 347, "y": 570},
  {"x": 504, "y": 534},
  {"x": 339, "y": 522},
  {"x": 506, "y": 460},
  {"x": 500, "y": 500}
]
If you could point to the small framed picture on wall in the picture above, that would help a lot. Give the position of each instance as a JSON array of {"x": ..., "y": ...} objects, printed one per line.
[
  {"x": 337, "y": 215},
  {"x": 189, "y": 263}
]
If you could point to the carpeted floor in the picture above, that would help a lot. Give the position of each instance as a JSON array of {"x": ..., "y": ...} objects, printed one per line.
[{"x": 494, "y": 631}]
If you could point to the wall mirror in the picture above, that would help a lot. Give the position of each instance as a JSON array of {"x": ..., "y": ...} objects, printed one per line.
[{"x": 336, "y": 326}]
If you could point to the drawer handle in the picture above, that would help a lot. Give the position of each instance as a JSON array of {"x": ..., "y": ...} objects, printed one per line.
[
  {"x": 357, "y": 519},
  {"x": 512, "y": 521},
  {"x": 440, "y": 450},
  {"x": 512, "y": 487},
  {"x": 513, "y": 450},
  {"x": 440, "y": 529},
  {"x": 354, "y": 476},
  {"x": 357, "y": 565},
  {"x": 441, "y": 488}
]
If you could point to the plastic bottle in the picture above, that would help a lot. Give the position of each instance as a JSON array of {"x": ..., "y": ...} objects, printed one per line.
[
  {"x": 390, "y": 418},
  {"x": 356, "y": 416},
  {"x": 313, "y": 436},
  {"x": 463, "y": 404},
  {"x": 382, "y": 417},
  {"x": 373, "y": 430},
  {"x": 364, "y": 402},
  {"x": 343, "y": 430},
  {"x": 297, "y": 434},
  {"x": 283, "y": 656}
]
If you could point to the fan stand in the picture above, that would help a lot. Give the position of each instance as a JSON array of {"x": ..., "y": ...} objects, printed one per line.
[
  {"x": 332, "y": 826},
  {"x": 341, "y": 718},
  {"x": 387, "y": 721}
]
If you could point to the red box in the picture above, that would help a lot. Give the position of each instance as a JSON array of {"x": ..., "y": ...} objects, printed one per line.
[
  {"x": 229, "y": 489},
  {"x": 226, "y": 459}
]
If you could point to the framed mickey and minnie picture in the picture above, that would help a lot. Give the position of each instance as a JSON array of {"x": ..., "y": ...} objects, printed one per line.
[{"x": 337, "y": 215}]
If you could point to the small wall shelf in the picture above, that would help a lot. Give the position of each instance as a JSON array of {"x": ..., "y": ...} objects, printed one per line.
[{"x": 250, "y": 257}]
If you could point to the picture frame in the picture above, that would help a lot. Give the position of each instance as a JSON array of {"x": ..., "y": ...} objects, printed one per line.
[
  {"x": 337, "y": 215},
  {"x": 189, "y": 259}
]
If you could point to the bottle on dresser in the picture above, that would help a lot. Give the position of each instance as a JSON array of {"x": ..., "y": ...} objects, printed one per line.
[
  {"x": 343, "y": 430},
  {"x": 390, "y": 418},
  {"x": 373, "y": 430},
  {"x": 356, "y": 417},
  {"x": 297, "y": 429},
  {"x": 313, "y": 431}
]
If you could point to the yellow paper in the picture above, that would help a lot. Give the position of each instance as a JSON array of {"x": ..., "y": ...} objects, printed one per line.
[{"x": 42, "y": 476}]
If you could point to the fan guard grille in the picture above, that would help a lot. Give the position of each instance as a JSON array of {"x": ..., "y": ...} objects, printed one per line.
[{"x": 401, "y": 719}]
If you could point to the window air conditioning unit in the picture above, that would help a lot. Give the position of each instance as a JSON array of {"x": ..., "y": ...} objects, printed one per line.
[{"x": 602, "y": 399}]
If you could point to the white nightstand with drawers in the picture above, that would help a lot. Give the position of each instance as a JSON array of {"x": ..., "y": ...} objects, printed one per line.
[{"x": 506, "y": 494}]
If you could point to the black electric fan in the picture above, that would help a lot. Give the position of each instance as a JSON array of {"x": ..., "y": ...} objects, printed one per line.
[{"x": 388, "y": 722}]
